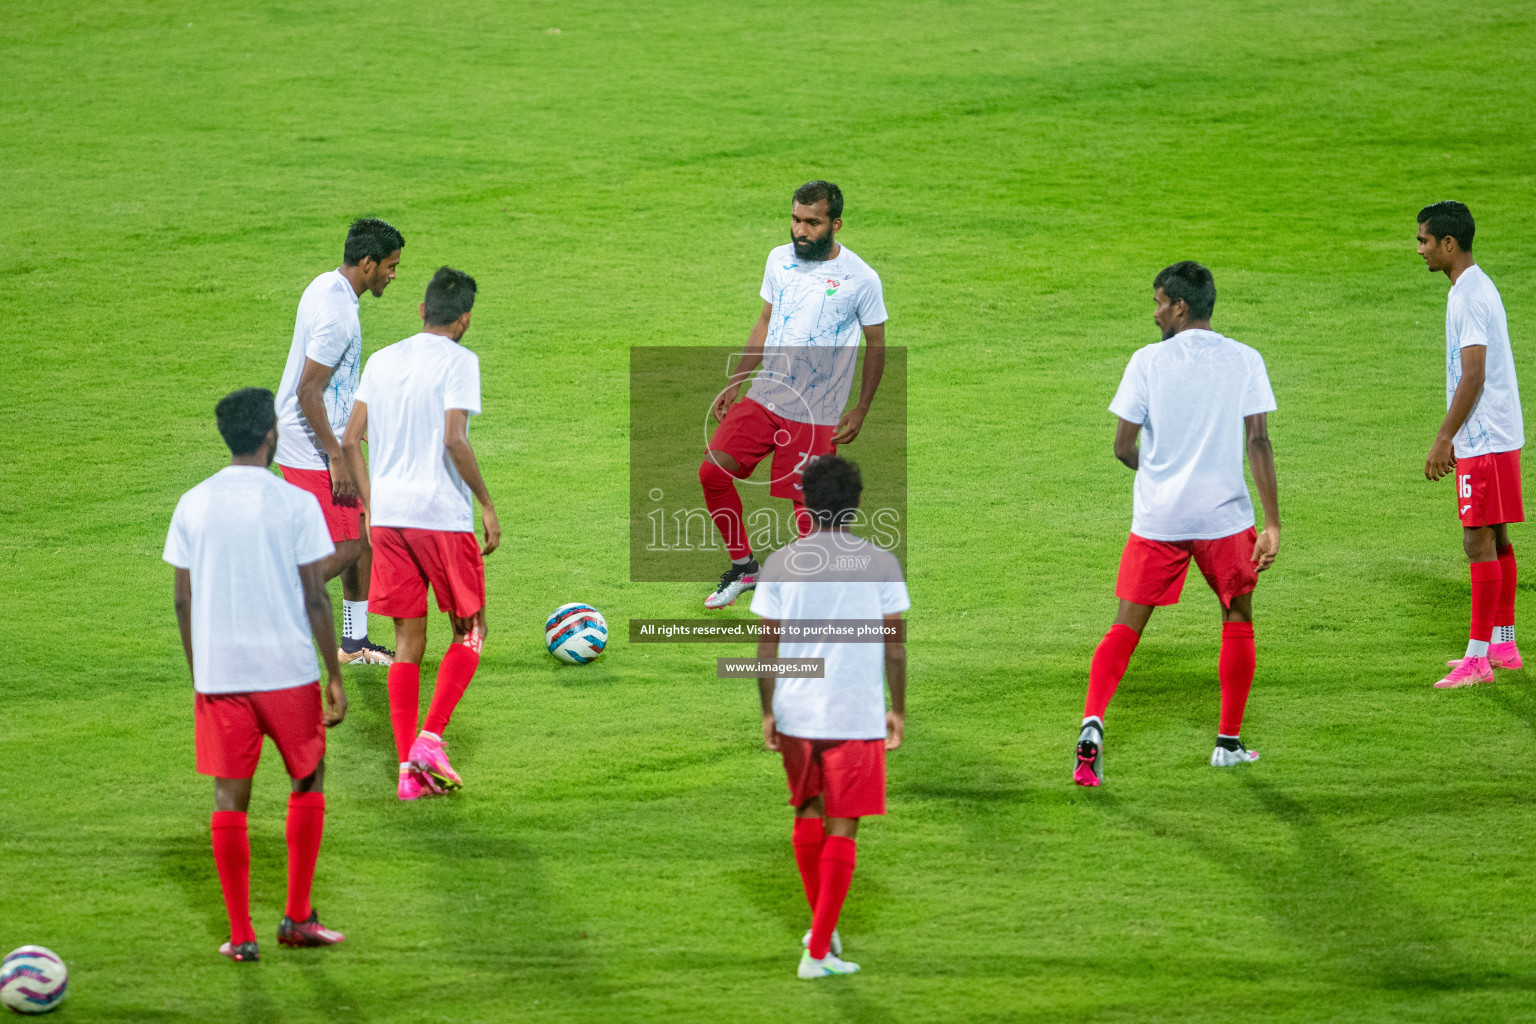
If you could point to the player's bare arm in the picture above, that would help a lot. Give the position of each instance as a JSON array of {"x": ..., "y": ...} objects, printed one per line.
[
  {"x": 750, "y": 361},
  {"x": 896, "y": 682},
  {"x": 456, "y": 440},
  {"x": 1126, "y": 451},
  {"x": 1261, "y": 463},
  {"x": 767, "y": 649},
  {"x": 311, "y": 394},
  {"x": 1442, "y": 454},
  {"x": 352, "y": 456},
  {"x": 869, "y": 382},
  {"x": 322, "y": 624},
  {"x": 182, "y": 598}
]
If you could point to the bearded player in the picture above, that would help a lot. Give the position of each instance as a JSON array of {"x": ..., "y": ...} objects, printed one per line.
[
  {"x": 818, "y": 298},
  {"x": 1197, "y": 396},
  {"x": 414, "y": 403},
  {"x": 1479, "y": 439},
  {"x": 250, "y": 554},
  {"x": 833, "y": 732},
  {"x": 314, "y": 401}
]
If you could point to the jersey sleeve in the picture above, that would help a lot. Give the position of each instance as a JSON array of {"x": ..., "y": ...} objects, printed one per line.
[
  {"x": 893, "y": 597},
  {"x": 463, "y": 385},
  {"x": 765, "y": 600},
  {"x": 178, "y": 550},
  {"x": 1258, "y": 396},
  {"x": 328, "y": 339},
  {"x": 312, "y": 540},
  {"x": 1471, "y": 324},
  {"x": 770, "y": 290},
  {"x": 362, "y": 393},
  {"x": 1130, "y": 402},
  {"x": 871, "y": 307}
]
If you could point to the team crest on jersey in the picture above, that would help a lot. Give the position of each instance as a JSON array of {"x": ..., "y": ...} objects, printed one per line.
[{"x": 833, "y": 284}]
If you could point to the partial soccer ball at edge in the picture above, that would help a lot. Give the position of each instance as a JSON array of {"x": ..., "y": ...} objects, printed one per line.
[
  {"x": 576, "y": 633},
  {"x": 32, "y": 980}
]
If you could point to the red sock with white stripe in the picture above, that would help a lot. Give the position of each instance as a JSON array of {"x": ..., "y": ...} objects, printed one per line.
[
  {"x": 306, "y": 825},
  {"x": 1235, "y": 670},
  {"x": 808, "y": 837},
  {"x": 232, "y": 856},
  {"x": 1487, "y": 583},
  {"x": 453, "y": 676},
  {"x": 724, "y": 505},
  {"x": 1106, "y": 670},
  {"x": 404, "y": 705},
  {"x": 1504, "y": 616},
  {"x": 835, "y": 873}
]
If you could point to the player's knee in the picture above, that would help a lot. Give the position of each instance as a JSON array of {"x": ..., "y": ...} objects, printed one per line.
[{"x": 712, "y": 475}]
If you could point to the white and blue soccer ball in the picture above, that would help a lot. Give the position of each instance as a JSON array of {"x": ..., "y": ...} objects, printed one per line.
[
  {"x": 576, "y": 633},
  {"x": 32, "y": 980}
]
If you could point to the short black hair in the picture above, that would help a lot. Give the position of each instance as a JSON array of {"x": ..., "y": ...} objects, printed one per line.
[
  {"x": 832, "y": 486},
  {"x": 1449, "y": 217},
  {"x": 450, "y": 295},
  {"x": 245, "y": 418},
  {"x": 813, "y": 192},
  {"x": 1191, "y": 282},
  {"x": 371, "y": 238}
]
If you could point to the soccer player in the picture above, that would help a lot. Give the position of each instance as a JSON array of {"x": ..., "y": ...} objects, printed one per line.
[
  {"x": 833, "y": 732},
  {"x": 1196, "y": 394},
  {"x": 818, "y": 297},
  {"x": 313, "y": 403},
  {"x": 250, "y": 554},
  {"x": 1480, "y": 439},
  {"x": 414, "y": 404}
]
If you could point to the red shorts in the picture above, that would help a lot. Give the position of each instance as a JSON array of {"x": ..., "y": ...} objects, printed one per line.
[
  {"x": 1152, "y": 571},
  {"x": 341, "y": 518},
  {"x": 848, "y": 774},
  {"x": 406, "y": 560},
  {"x": 1488, "y": 489},
  {"x": 229, "y": 728},
  {"x": 749, "y": 432}
]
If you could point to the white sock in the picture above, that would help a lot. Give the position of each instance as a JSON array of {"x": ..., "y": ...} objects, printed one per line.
[
  {"x": 431, "y": 735},
  {"x": 1477, "y": 648},
  {"x": 1503, "y": 634},
  {"x": 1095, "y": 721},
  {"x": 742, "y": 561},
  {"x": 354, "y": 619}
]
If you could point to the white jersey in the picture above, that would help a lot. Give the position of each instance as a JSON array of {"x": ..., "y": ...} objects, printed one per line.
[
  {"x": 243, "y": 534},
  {"x": 326, "y": 330},
  {"x": 807, "y": 579},
  {"x": 819, "y": 311},
  {"x": 1474, "y": 315},
  {"x": 408, "y": 389},
  {"x": 1190, "y": 395}
]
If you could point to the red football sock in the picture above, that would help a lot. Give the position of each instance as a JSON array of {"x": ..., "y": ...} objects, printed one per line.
[
  {"x": 1235, "y": 670},
  {"x": 724, "y": 506},
  {"x": 803, "y": 519},
  {"x": 1108, "y": 667},
  {"x": 835, "y": 871},
  {"x": 1505, "y": 614},
  {"x": 404, "y": 705},
  {"x": 808, "y": 836},
  {"x": 232, "y": 855},
  {"x": 306, "y": 824},
  {"x": 1487, "y": 582},
  {"x": 453, "y": 676}
]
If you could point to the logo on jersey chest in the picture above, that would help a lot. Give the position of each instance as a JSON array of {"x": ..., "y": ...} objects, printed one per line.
[{"x": 833, "y": 284}]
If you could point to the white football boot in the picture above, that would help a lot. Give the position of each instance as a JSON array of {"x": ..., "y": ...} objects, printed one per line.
[
  {"x": 1090, "y": 754},
  {"x": 734, "y": 582},
  {"x": 837, "y": 941},
  {"x": 1223, "y": 757},
  {"x": 826, "y": 967}
]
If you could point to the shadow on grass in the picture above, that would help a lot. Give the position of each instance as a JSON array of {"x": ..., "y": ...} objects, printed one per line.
[{"x": 1372, "y": 932}]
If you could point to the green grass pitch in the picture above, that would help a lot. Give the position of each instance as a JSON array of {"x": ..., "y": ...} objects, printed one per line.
[{"x": 175, "y": 171}]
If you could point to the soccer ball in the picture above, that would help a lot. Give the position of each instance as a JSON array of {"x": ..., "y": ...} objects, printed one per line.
[
  {"x": 32, "y": 980},
  {"x": 576, "y": 633}
]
